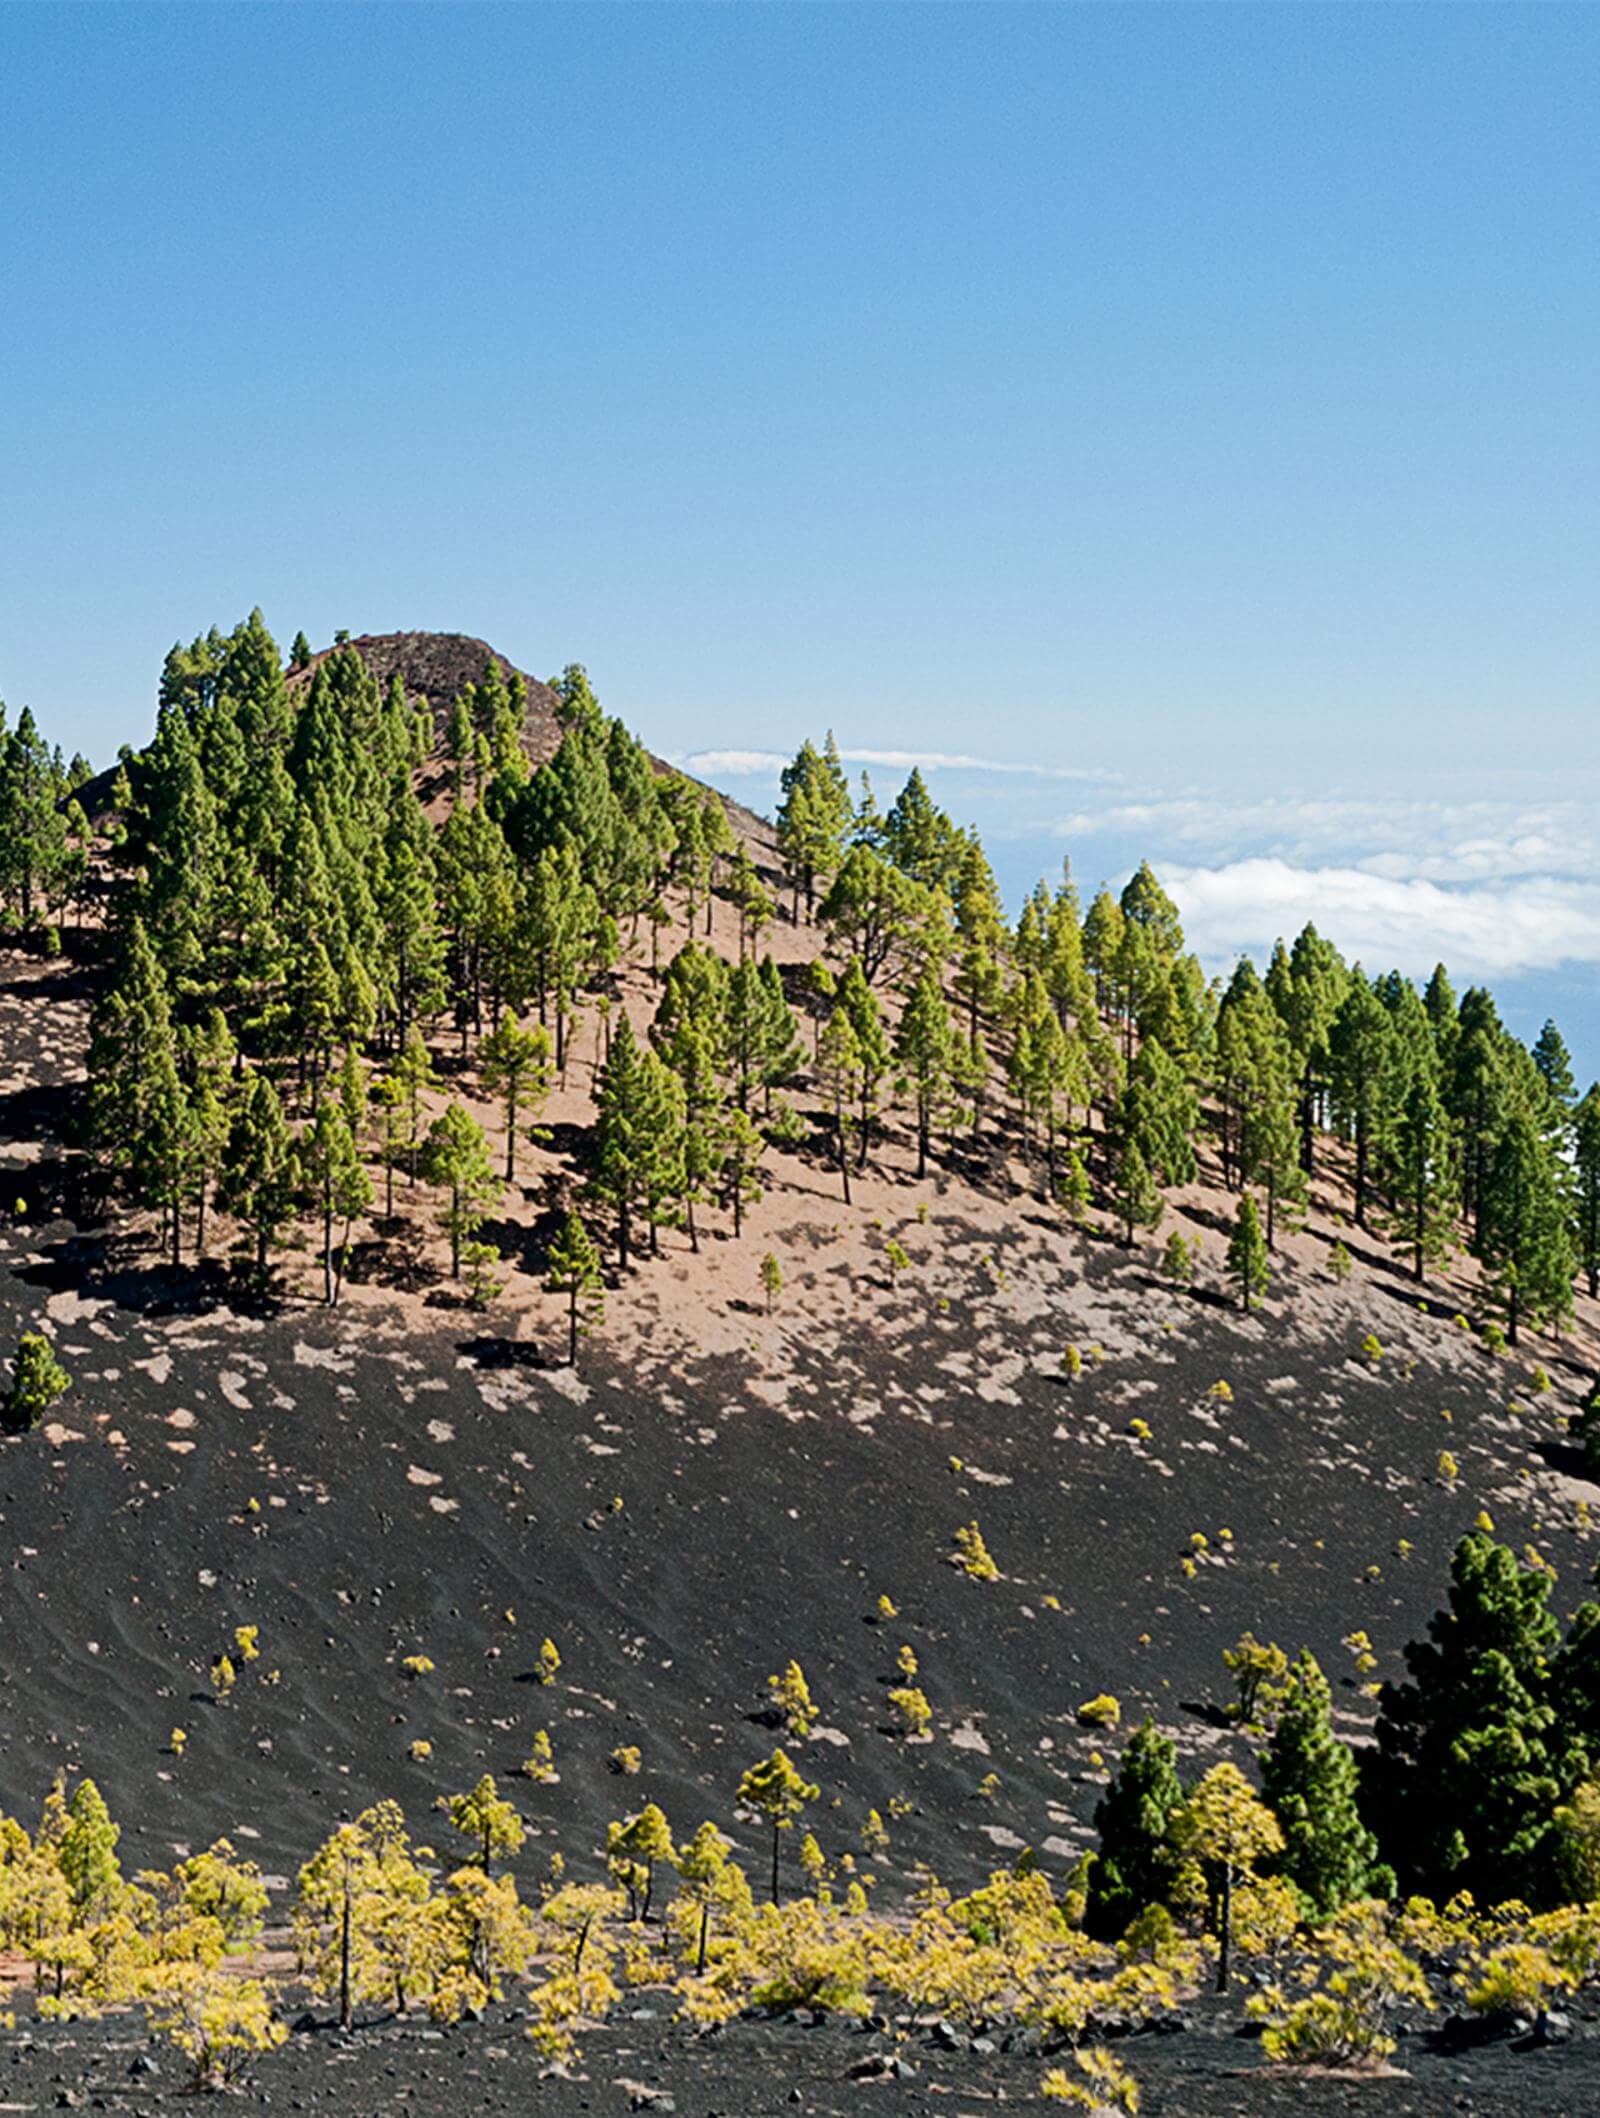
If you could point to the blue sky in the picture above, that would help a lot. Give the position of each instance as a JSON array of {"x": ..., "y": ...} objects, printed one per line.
[{"x": 1200, "y": 401}]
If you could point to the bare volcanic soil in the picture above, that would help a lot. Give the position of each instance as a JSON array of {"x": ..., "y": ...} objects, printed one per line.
[
  {"x": 771, "y": 2069},
  {"x": 381, "y": 1484}
]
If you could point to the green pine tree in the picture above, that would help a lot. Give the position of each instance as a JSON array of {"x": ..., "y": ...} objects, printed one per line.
[
  {"x": 256, "y": 1180},
  {"x": 516, "y": 1065},
  {"x": 1137, "y": 1864},
  {"x": 839, "y": 1078},
  {"x": 456, "y": 1157},
  {"x": 335, "y": 1179},
  {"x": 574, "y": 1271},
  {"x": 1247, "y": 1254},
  {"x": 1523, "y": 1237},
  {"x": 1463, "y": 1781},
  {"x": 622, "y": 1140},
  {"x": 38, "y": 1381},
  {"x": 924, "y": 1048},
  {"x": 1137, "y": 1196},
  {"x": 1586, "y": 1187},
  {"x": 1309, "y": 1782}
]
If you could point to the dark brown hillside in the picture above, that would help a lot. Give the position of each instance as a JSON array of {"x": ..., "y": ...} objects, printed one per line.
[{"x": 436, "y": 667}]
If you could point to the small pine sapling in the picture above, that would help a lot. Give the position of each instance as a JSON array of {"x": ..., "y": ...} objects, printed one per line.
[
  {"x": 771, "y": 1279},
  {"x": 38, "y": 1381}
]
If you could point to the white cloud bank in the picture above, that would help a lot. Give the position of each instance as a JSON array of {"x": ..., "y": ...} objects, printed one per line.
[
  {"x": 1466, "y": 842},
  {"x": 767, "y": 764},
  {"x": 1407, "y": 923}
]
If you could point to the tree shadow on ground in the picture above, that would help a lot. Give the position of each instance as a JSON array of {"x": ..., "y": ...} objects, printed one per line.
[
  {"x": 112, "y": 1270},
  {"x": 494, "y": 1351}
]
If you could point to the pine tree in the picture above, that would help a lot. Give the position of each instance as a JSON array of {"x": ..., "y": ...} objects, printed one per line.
[
  {"x": 335, "y": 1178},
  {"x": 1463, "y": 1780},
  {"x": 456, "y": 1158},
  {"x": 665, "y": 1186},
  {"x": 1586, "y": 1192},
  {"x": 1417, "y": 1163},
  {"x": 1256, "y": 1066},
  {"x": 256, "y": 1183},
  {"x": 574, "y": 1270},
  {"x": 516, "y": 1066},
  {"x": 1136, "y": 1864},
  {"x": 1361, "y": 1063},
  {"x": 919, "y": 838},
  {"x": 210, "y": 1055},
  {"x": 132, "y": 1051},
  {"x": 775, "y": 1790},
  {"x": 1308, "y": 1781},
  {"x": 1102, "y": 947},
  {"x": 1247, "y": 1253},
  {"x": 1138, "y": 1199},
  {"x": 1554, "y": 1062},
  {"x": 38, "y": 1381},
  {"x": 925, "y": 1050},
  {"x": 705, "y": 1872},
  {"x": 873, "y": 1054},
  {"x": 1308, "y": 989},
  {"x": 872, "y": 910},
  {"x": 839, "y": 1078},
  {"x": 691, "y": 1033},
  {"x": 778, "y": 1051},
  {"x": 1157, "y": 1114},
  {"x": 747, "y": 1009},
  {"x": 334, "y": 1915},
  {"x": 622, "y": 1145},
  {"x": 771, "y": 1279},
  {"x": 1478, "y": 1097},
  {"x": 742, "y": 1149},
  {"x": 87, "y": 1854},
  {"x": 413, "y": 1070},
  {"x": 1523, "y": 1236},
  {"x": 1225, "y": 1827},
  {"x": 389, "y": 1100},
  {"x": 33, "y": 834}
]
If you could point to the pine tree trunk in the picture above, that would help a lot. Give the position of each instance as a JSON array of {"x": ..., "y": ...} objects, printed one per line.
[
  {"x": 1361, "y": 1175},
  {"x": 344, "y": 1959}
]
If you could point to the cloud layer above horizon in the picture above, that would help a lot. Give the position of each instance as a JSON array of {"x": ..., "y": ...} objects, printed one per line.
[{"x": 1493, "y": 888}]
